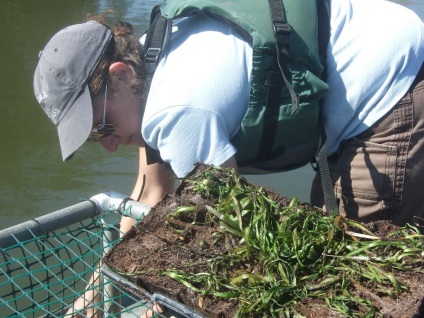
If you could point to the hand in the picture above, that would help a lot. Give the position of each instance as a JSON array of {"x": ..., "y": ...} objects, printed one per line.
[
  {"x": 86, "y": 306},
  {"x": 152, "y": 312}
]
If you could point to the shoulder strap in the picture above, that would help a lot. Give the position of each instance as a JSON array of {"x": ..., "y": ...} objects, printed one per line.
[
  {"x": 326, "y": 182},
  {"x": 323, "y": 31},
  {"x": 322, "y": 161},
  {"x": 282, "y": 32},
  {"x": 157, "y": 39},
  {"x": 275, "y": 80}
]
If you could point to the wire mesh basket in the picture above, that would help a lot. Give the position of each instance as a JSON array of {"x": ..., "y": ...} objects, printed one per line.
[
  {"x": 168, "y": 305},
  {"x": 48, "y": 263}
]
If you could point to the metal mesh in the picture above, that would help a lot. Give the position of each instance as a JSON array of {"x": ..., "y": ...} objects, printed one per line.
[{"x": 42, "y": 275}]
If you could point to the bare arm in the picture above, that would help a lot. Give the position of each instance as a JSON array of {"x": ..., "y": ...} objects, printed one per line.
[
  {"x": 153, "y": 182},
  {"x": 158, "y": 180}
]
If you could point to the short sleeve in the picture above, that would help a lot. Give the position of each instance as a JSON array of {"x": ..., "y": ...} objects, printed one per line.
[{"x": 185, "y": 136}]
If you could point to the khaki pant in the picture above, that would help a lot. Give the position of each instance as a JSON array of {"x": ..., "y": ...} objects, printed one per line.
[{"x": 379, "y": 174}]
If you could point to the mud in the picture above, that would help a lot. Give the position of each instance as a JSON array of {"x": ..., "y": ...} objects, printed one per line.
[{"x": 159, "y": 243}]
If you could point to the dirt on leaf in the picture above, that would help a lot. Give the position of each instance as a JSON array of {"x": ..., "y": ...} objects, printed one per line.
[{"x": 159, "y": 243}]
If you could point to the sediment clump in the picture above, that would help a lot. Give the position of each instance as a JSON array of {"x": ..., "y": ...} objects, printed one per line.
[{"x": 228, "y": 248}]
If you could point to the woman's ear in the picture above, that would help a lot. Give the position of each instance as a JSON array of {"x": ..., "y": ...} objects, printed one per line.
[{"x": 120, "y": 72}]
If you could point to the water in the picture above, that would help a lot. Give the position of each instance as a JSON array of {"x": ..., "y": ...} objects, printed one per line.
[{"x": 33, "y": 179}]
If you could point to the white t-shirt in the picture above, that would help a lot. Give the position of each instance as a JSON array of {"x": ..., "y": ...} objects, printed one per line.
[
  {"x": 199, "y": 95},
  {"x": 376, "y": 49},
  {"x": 200, "y": 90}
]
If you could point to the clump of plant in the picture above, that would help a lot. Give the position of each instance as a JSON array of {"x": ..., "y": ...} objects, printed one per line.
[{"x": 289, "y": 254}]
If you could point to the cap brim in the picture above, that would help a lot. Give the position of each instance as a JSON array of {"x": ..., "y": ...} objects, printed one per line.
[{"x": 75, "y": 127}]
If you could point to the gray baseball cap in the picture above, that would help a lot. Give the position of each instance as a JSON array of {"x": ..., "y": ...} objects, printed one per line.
[{"x": 61, "y": 81}]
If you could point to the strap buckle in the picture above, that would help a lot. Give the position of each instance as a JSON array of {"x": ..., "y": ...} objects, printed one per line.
[
  {"x": 282, "y": 32},
  {"x": 152, "y": 55}
]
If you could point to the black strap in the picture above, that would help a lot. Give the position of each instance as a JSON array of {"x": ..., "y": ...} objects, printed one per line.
[
  {"x": 323, "y": 31},
  {"x": 327, "y": 185},
  {"x": 276, "y": 80},
  {"x": 323, "y": 39},
  {"x": 282, "y": 33},
  {"x": 157, "y": 39}
]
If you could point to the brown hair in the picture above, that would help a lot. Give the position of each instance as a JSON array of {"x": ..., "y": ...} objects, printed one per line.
[{"x": 125, "y": 48}]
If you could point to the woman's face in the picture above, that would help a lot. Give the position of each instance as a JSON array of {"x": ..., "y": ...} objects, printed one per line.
[{"x": 124, "y": 111}]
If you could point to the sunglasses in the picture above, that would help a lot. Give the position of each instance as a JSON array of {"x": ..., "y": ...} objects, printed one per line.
[{"x": 102, "y": 130}]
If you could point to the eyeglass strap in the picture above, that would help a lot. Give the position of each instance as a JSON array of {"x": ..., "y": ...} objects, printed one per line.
[{"x": 104, "y": 106}]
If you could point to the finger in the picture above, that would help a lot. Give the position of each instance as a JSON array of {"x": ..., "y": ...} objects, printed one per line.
[
  {"x": 147, "y": 314},
  {"x": 151, "y": 312}
]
